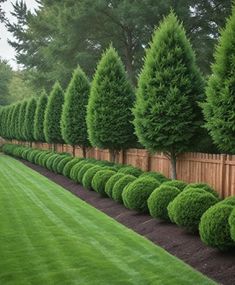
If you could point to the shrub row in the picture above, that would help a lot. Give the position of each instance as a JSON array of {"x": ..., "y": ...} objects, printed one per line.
[{"x": 195, "y": 207}]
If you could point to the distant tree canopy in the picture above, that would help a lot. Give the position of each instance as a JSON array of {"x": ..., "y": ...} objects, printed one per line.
[
  {"x": 5, "y": 79},
  {"x": 61, "y": 34}
]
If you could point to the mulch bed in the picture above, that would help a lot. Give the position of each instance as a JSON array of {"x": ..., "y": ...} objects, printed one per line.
[{"x": 216, "y": 265}]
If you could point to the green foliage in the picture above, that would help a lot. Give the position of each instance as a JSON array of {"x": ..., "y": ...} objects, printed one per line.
[
  {"x": 29, "y": 119},
  {"x": 62, "y": 164},
  {"x": 167, "y": 115},
  {"x": 120, "y": 185},
  {"x": 228, "y": 201},
  {"x": 188, "y": 207},
  {"x": 203, "y": 186},
  {"x": 111, "y": 182},
  {"x": 69, "y": 166},
  {"x": 83, "y": 171},
  {"x": 159, "y": 200},
  {"x": 50, "y": 160},
  {"x": 214, "y": 227},
  {"x": 88, "y": 176},
  {"x": 39, "y": 118},
  {"x": 22, "y": 118},
  {"x": 109, "y": 107},
  {"x": 76, "y": 168},
  {"x": 135, "y": 196},
  {"x": 100, "y": 179},
  {"x": 232, "y": 224},
  {"x": 130, "y": 170},
  {"x": 53, "y": 112},
  {"x": 57, "y": 161},
  {"x": 157, "y": 175},
  {"x": 176, "y": 183},
  {"x": 73, "y": 122},
  {"x": 219, "y": 107},
  {"x": 5, "y": 78}
]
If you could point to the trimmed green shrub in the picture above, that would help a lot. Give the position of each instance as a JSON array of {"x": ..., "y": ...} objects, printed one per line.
[
  {"x": 50, "y": 160},
  {"x": 109, "y": 116},
  {"x": 135, "y": 196},
  {"x": 176, "y": 183},
  {"x": 228, "y": 201},
  {"x": 188, "y": 207},
  {"x": 100, "y": 179},
  {"x": 57, "y": 161},
  {"x": 88, "y": 176},
  {"x": 29, "y": 119},
  {"x": 131, "y": 171},
  {"x": 39, "y": 118},
  {"x": 69, "y": 166},
  {"x": 43, "y": 157},
  {"x": 110, "y": 183},
  {"x": 214, "y": 227},
  {"x": 37, "y": 157},
  {"x": 61, "y": 165},
  {"x": 203, "y": 186},
  {"x": 25, "y": 153},
  {"x": 159, "y": 200},
  {"x": 232, "y": 224},
  {"x": 33, "y": 154},
  {"x": 76, "y": 168},
  {"x": 22, "y": 121},
  {"x": 83, "y": 170},
  {"x": 157, "y": 175},
  {"x": 120, "y": 185}
]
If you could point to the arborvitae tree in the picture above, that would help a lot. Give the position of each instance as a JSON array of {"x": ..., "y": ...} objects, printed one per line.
[
  {"x": 9, "y": 121},
  {"x": 3, "y": 122},
  {"x": 73, "y": 122},
  {"x": 39, "y": 118},
  {"x": 15, "y": 120},
  {"x": 22, "y": 118},
  {"x": 219, "y": 108},
  {"x": 29, "y": 119},
  {"x": 166, "y": 111},
  {"x": 109, "y": 116},
  {"x": 52, "y": 129}
]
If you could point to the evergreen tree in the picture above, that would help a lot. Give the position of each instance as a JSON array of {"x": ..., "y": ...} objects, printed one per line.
[
  {"x": 10, "y": 121},
  {"x": 109, "y": 107},
  {"x": 166, "y": 111},
  {"x": 52, "y": 129},
  {"x": 29, "y": 119},
  {"x": 73, "y": 123},
  {"x": 39, "y": 118},
  {"x": 14, "y": 124},
  {"x": 22, "y": 118},
  {"x": 219, "y": 108}
]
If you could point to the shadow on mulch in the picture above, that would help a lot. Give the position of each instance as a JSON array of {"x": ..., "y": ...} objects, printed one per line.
[{"x": 219, "y": 266}]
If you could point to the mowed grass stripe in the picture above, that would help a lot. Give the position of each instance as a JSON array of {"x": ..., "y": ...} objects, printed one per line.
[{"x": 49, "y": 236}]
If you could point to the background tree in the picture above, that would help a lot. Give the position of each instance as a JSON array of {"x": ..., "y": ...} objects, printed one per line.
[
  {"x": 219, "y": 109},
  {"x": 166, "y": 111},
  {"x": 5, "y": 78},
  {"x": 52, "y": 129},
  {"x": 29, "y": 120},
  {"x": 39, "y": 118},
  {"x": 109, "y": 107},
  {"x": 73, "y": 123}
]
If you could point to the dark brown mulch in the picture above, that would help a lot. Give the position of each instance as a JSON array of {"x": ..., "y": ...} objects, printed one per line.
[{"x": 216, "y": 265}]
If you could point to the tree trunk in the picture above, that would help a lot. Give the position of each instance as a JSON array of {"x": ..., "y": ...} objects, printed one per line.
[
  {"x": 84, "y": 151},
  {"x": 74, "y": 150},
  {"x": 112, "y": 155},
  {"x": 54, "y": 147},
  {"x": 173, "y": 165},
  {"x": 30, "y": 144}
]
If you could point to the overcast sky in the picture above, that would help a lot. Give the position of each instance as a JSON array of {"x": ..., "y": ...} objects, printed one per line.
[{"x": 6, "y": 51}]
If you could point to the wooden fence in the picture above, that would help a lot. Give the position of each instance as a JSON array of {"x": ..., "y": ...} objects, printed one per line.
[{"x": 218, "y": 170}]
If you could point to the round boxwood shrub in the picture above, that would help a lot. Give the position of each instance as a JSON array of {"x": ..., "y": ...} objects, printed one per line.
[
  {"x": 88, "y": 176},
  {"x": 214, "y": 227},
  {"x": 188, "y": 207},
  {"x": 120, "y": 185},
  {"x": 176, "y": 183},
  {"x": 203, "y": 186},
  {"x": 46, "y": 157},
  {"x": 25, "y": 153},
  {"x": 157, "y": 175},
  {"x": 159, "y": 200},
  {"x": 83, "y": 170},
  {"x": 37, "y": 156},
  {"x": 100, "y": 179},
  {"x": 62, "y": 164},
  {"x": 57, "y": 161},
  {"x": 228, "y": 201},
  {"x": 69, "y": 165},
  {"x": 50, "y": 161},
  {"x": 136, "y": 194},
  {"x": 130, "y": 170},
  {"x": 111, "y": 182},
  {"x": 76, "y": 168},
  {"x": 42, "y": 156},
  {"x": 232, "y": 224}
]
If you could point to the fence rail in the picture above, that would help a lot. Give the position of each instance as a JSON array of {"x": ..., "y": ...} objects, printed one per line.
[{"x": 218, "y": 170}]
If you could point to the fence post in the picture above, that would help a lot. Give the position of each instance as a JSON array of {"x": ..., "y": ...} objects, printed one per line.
[{"x": 222, "y": 174}]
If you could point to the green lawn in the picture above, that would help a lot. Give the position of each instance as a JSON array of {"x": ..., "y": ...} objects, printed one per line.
[{"x": 50, "y": 237}]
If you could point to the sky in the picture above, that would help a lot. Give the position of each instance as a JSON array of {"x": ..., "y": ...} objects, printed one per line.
[{"x": 6, "y": 51}]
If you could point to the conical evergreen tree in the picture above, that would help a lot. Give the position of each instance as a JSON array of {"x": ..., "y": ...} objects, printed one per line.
[
  {"x": 39, "y": 118},
  {"x": 109, "y": 116},
  {"x": 10, "y": 121},
  {"x": 166, "y": 111},
  {"x": 73, "y": 122},
  {"x": 52, "y": 129},
  {"x": 219, "y": 109},
  {"x": 15, "y": 121},
  {"x": 29, "y": 119},
  {"x": 22, "y": 118}
]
